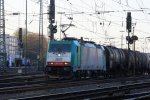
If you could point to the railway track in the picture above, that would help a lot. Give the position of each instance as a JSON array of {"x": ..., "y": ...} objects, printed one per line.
[
  {"x": 37, "y": 84},
  {"x": 39, "y": 79},
  {"x": 55, "y": 84},
  {"x": 19, "y": 78},
  {"x": 16, "y": 77},
  {"x": 98, "y": 93}
]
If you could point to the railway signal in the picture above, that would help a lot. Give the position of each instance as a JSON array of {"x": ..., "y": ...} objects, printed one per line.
[
  {"x": 20, "y": 34},
  {"x": 128, "y": 27},
  {"x": 129, "y": 22},
  {"x": 51, "y": 12},
  {"x": 20, "y": 43},
  {"x": 54, "y": 29},
  {"x": 131, "y": 39}
]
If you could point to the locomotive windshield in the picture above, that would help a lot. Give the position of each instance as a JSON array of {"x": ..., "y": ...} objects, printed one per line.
[{"x": 60, "y": 48}]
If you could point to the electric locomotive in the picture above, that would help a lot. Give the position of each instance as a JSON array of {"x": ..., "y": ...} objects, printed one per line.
[
  {"x": 75, "y": 58},
  {"x": 62, "y": 57}
]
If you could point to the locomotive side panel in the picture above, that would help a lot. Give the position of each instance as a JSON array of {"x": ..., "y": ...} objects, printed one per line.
[
  {"x": 92, "y": 59},
  {"x": 75, "y": 55}
]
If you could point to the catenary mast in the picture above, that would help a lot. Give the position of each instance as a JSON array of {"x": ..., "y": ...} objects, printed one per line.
[
  {"x": 2, "y": 37},
  {"x": 40, "y": 29}
]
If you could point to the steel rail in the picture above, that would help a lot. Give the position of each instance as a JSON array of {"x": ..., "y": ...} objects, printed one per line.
[
  {"x": 86, "y": 94},
  {"x": 22, "y": 86},
  {"x": 21, "y": 78},
  {"x": 132, "y": 96}
]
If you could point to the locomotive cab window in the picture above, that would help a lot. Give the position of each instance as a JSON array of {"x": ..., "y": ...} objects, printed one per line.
[{"x": 59, "y": 48}]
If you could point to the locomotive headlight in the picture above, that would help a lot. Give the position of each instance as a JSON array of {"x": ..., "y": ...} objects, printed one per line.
[
  {"x": 52, "y": 63},
  {"x": 59, "y": 55},
  {"x": 66, "y": 63}
]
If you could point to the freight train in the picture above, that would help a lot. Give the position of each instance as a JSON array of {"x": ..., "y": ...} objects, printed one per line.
[{"x": 71, "y": 57}]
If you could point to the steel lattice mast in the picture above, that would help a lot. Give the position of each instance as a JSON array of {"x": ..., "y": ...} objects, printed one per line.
[
  {"x": 41, "y": 27},
  {"x": 2, "y": 37}
]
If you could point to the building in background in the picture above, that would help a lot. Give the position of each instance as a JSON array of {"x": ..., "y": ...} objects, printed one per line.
[{"x": 12, "y": 49}]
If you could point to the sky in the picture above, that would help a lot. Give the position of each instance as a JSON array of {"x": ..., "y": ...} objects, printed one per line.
[{"x": 102, "y": 21}]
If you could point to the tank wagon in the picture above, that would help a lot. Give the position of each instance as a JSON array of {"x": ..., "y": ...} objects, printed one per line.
[{"x": 71, "y": 57}]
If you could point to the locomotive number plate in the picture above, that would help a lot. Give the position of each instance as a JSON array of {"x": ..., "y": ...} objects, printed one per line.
[{"x": 58, "y": 59}]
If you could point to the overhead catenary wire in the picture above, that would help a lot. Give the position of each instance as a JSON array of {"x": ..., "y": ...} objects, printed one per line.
[
  {"x": 89, "y": 14},
  {"x": 95, "y": 12}
]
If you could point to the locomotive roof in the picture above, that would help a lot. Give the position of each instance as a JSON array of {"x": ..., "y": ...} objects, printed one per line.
[
  {"x": 91, "y": 42},
  {"x": 65, "y": 42},
  {"x": 69, "y": 39}
]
